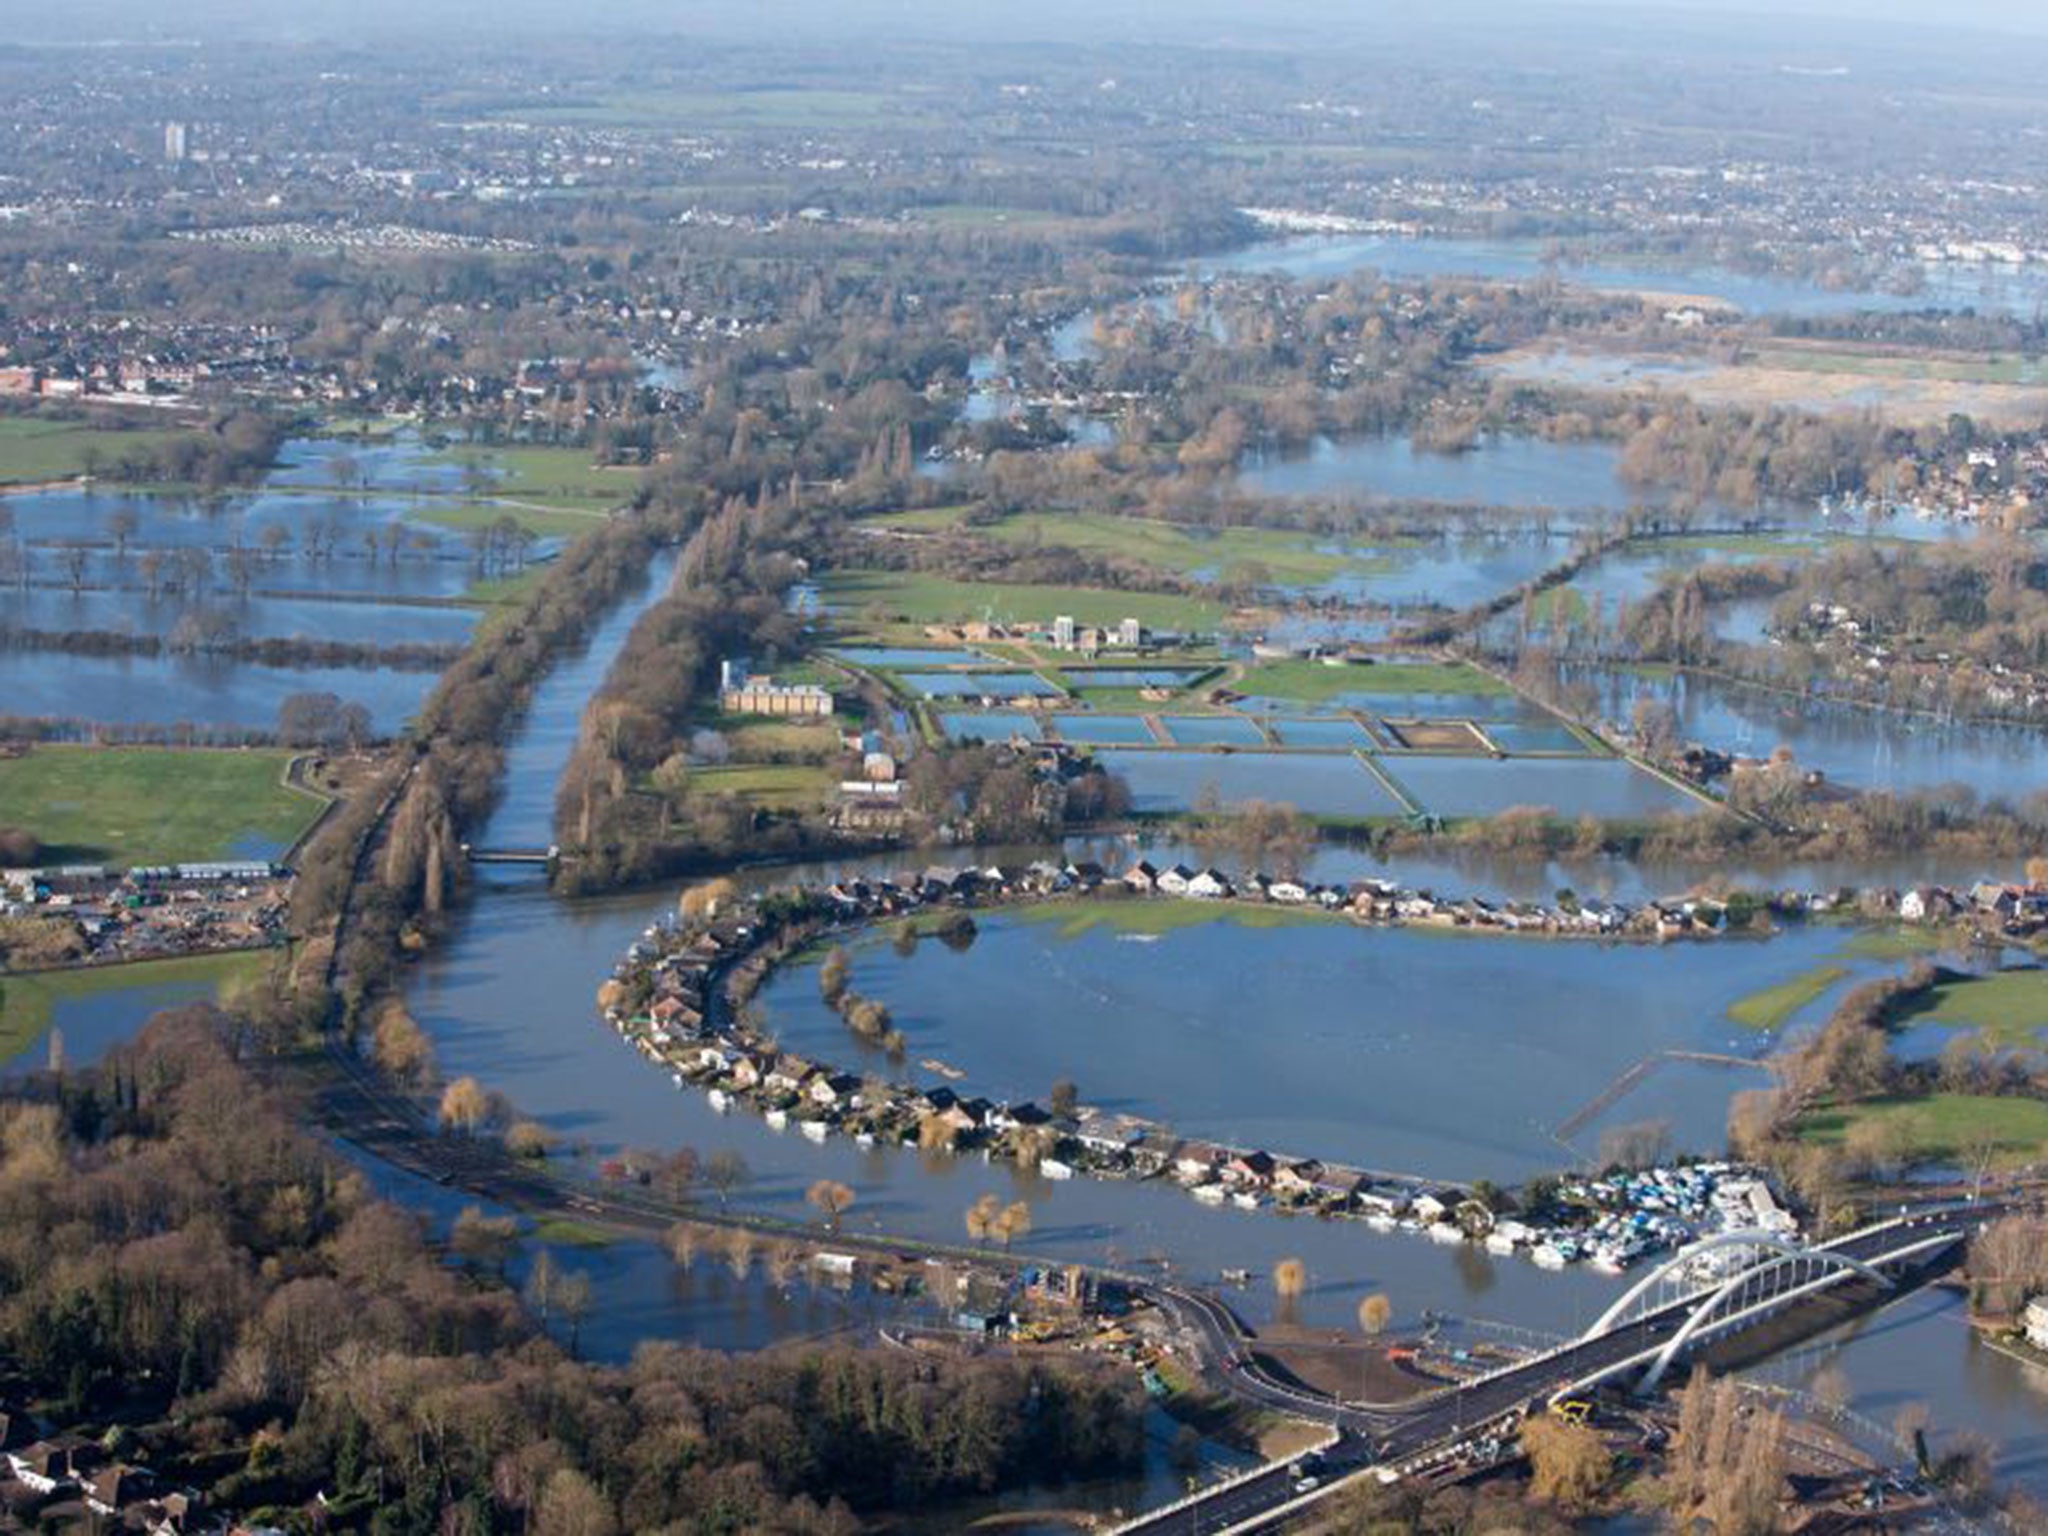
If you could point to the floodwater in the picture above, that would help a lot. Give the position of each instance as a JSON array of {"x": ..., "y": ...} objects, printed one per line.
[
  {"x": 92, "y": 1024},
  {"x": 990, "y": 725},
  {"x": 1440, "y": 1054},
  {"x": 195, "y": 690},
  {"x": 1501, "y": 471},
  {"x": 1317, "y": 784},
  {"x": 965, "y": 685},
  {"x": 1607, "y": 787},
  {"x": 255, "y": 616},
  {"x": 1952, "y": 286},
  {"x": 1863, "y": 748}
]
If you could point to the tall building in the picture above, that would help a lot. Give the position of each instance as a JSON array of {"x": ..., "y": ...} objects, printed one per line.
[
  {"x": 174, "y": 142},
  {"x": 1063, "y": 632}
]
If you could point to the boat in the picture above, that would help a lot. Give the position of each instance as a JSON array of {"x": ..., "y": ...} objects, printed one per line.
[
  {"x": 777, "y": 1119},
  {"x": 1245, "y": 1198},
  {"x": 815, "y": 1130},
  {"x": 1499, "y": 1242},
  {"x": 1208, "y": 1194},
  {"x": 720, "y": 1100},
  {"x": 1548, "y": 1256}
]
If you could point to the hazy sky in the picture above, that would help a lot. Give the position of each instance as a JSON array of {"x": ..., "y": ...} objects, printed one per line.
[{"x": 1756, "y": 20}]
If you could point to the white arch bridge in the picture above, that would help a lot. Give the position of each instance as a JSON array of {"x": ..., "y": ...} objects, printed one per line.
[{"x": 1734, "y": 1281}]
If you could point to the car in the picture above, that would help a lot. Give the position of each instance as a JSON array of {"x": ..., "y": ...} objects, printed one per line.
[{"x": 1307, "y": 1484}]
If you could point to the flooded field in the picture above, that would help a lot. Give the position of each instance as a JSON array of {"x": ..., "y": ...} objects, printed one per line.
[
  {"x": 1862, "y": 748},
  {"x": 1987, "y": 289},
  {"x": 1319, "y": 785},
  {"x": 193, "y": 690},
  {"x": 1500, "y": 472},
  {"x": 1363, "y": 1037},
  {"x": 1609, "y": 787}
]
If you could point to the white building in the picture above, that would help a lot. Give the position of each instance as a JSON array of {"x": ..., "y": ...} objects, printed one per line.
[{"x": 2036, "y": 1320}]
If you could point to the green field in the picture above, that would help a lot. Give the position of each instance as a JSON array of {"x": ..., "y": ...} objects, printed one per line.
[
  {"x": 558, "y": 479},
  {"x": 772, "y": 786},
  {"x": 923, "y": 599},
  {"x": 1991, "y": 369},
  {"x": 562, "y": 1232},
  {"x": 542, "y": 522},
  {"x": 1893, "y": 943},
  {"x": 34, "y": 449},
  {"x": 1943, "y": 1127},
  {"x": 1140, "y": 915},
  {"x": 1289, "y": 558},
  {"x": 2009, "y": 1008},
  {"x": 151, "y": 805},
  {"x": 27, "y": 1001},
  {"x": 1312, "y": 681},
  {"x": 1772, "y": 1006}
]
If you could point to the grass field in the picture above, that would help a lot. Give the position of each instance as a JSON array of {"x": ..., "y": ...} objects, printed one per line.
[
  {"x": 1992, "y": 368},
  {"x": 1291, "y": 558},
  {"x": 1944, "y": 1127},
  {"x": 33, "y": 449},
  {"x": 1893, "y": 943},
  {"x": 1312, "y": 682},
  {"x": 562, "y": 478},
  {"x": 561, "y": 1232},
  {"x": 28, "y": 1001},
  {"x": 1772, "y": 1006},
  {"x": 2010, "y": 1007},
  {"x": 772, "y": 786},
  {"x": 1137, "y": 915},
  {"x": 151, "y": 805},
  {"x": 923, "y": 599},
  {"x": 548, "y": 522}
]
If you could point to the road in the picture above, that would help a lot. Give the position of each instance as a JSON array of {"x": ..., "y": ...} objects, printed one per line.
[{"x": 1396, "y": 1435}]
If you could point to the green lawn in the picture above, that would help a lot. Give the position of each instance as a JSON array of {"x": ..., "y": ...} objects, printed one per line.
[
  {"x": 1772, "y": 1006},
  {"x": 562, "y": 1232},
  {"x": 34, "y": 448},
  {"x": 27, "y": 1001},
  {"x": 549, "y": 522},
  {"x": 1993, "y": 368},
  {"x": 772, "y": 786},
  {"x": 151, "y": 805},
  {"x": 922, "y": 599},
  {"x": 499, "y": 591},
  {"x": 1894, "y": 943},
  {"x": 1943, "y": 1127},
  {"x": 2010, "y": 1008},
  {"x": 1149, "y": 916},
  {"x": 1312, "y": 681},
  {"x": 560, "y": 478},
  {"x": 1290, "y": 558}
]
